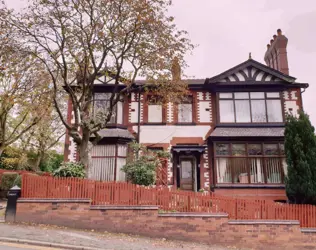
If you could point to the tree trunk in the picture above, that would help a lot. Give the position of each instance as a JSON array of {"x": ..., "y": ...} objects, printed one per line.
[
  {"x": 1, "y": 151},
  {"x": 40, "y": 157},
  {"x": 84, "y": 150}
]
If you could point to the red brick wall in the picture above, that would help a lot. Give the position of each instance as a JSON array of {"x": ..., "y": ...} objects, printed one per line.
[{"x": 211, "y": 229}]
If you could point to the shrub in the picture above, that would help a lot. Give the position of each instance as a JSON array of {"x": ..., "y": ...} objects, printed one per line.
[
  {"x": 10, "y": 163},
  {"x": 140, "y": 172},
  {"x": 51, "y": 162},
  {"x": 70, "y": 169},
  {"x": 18, "y": 181},
  {"x": 7, "y": 180},
  {"x": 141, "y": 168}
]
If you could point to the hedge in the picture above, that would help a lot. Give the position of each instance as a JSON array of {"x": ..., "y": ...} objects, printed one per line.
[{"x": 7, "y": 180}]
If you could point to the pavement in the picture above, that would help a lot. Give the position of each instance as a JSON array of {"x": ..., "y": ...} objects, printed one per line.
[
  {"x": 66, "y": 238},
  {"x": 15, "y": 246}
]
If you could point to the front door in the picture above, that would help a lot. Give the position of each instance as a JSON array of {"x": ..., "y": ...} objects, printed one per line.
[{"x": 186, "y": 174}]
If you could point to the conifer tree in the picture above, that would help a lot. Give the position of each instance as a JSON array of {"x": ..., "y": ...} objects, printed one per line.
[{"x": 300, "y": 150}]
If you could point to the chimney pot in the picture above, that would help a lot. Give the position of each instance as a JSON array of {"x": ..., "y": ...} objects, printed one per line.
[{"x": 276, "y": 58}]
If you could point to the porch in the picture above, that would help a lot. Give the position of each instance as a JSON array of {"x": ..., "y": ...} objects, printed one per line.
[{"x": 187, "y": 169}]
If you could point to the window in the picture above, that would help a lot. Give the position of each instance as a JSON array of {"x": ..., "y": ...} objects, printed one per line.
[
  {"x": 101, "y": 108},
  {"x": 185, "y": 114},
  {"x": 250, "y": 107},
  {"x": 154, "y": 110},
  {"x": 107, "y": 162},
  {"x": 250, "y": 163}
]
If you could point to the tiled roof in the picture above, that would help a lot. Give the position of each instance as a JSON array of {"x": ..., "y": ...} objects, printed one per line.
[
  {"x": 248, "y": 132},
  {"x": 116, "y": 132},
  {"x": 188, "y": 81}
]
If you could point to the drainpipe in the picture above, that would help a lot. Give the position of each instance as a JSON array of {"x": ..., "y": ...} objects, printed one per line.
[
  {"x": 302, "y": 98},
  {"x": 138, "y": 122}
]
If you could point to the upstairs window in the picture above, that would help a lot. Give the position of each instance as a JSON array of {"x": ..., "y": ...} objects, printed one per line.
[
  {"x": 250, "y": 107},
  {"x": 102, "y": 107},
  {"x": 185, "y": 114},
  {"x": 154, "y": 110}
]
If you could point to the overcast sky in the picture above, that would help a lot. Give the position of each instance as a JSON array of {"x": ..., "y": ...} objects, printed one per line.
[{"x": 227, "y": 30}]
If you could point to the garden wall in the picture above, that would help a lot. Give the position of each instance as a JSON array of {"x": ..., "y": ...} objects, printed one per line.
[{"x": 146, "y": 221}]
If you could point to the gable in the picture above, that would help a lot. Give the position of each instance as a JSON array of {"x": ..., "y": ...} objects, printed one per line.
[
  {"x": 250, "y": 74},
  {"x": 251, "y": 71}
]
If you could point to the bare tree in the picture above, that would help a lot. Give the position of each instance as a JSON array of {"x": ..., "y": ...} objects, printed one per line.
[
  {"x": 24, "y": 90},
  {"x": 79, "y": 41},
  {"x": 44, "y": 136}
]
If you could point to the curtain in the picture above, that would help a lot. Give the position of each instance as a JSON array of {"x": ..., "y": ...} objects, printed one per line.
[{"x": 223, "y": 171}]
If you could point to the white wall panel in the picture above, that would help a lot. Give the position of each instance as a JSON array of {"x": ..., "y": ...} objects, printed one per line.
[
  {"x": 204, "y": 114},
  {"x": 163, "y": 134}
]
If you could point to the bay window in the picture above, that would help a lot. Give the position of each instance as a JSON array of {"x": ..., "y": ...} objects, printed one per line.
[
  {"x": 107, "y": 162},
  {"x": 250, "y": 107},
  {"x": 250, "y": 163},
  {"x": 185, "y": 108},
  {"x": 102, "y": 108}
]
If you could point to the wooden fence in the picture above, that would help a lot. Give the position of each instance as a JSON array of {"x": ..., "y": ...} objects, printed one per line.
[{"x": 111, "y": 193}]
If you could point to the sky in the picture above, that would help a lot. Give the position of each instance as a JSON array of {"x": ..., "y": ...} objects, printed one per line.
[{"x": 227, "y": 30}]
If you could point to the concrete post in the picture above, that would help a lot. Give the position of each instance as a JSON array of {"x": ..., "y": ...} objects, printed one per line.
[{"x": 13, "y": 195}]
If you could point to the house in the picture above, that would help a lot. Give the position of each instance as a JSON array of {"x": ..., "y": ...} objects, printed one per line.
[{"x": 227, "y": 136}]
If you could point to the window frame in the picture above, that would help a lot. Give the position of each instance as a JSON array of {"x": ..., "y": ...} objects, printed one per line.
[
  {"x": 280, "y": 157},
  {"x": 265, "y": 98},
  {"x": 110, "y": 124}
]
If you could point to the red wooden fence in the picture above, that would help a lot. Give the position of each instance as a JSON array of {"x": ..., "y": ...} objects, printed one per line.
[{"x": 111, "y": 193}]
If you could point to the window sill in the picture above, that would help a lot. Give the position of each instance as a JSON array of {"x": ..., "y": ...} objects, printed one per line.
[
  {"x": 253, "y": 185},
  {"x": 251, "y": 125},
  {"x": 185, "y": 123},
  {"x": 154, "y": 123}
]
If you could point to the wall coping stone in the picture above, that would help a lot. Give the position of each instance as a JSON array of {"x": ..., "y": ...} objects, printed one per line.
[
  {"x": 119, "y": 207},
  {"x": 54, "y": 200},
  {"x": 308, "y": 230},
  {"x": 264, "y": 222},
  {"x": 198, "y": 215}
]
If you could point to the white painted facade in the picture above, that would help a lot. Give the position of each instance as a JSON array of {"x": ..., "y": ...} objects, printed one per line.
[{"x": 165, "y": 133}]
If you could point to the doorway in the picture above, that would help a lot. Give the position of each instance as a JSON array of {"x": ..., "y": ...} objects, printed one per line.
[{"x": 188, "y": 173}]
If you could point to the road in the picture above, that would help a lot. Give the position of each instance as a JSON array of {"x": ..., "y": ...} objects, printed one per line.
[{"x": 14, "y": 246}]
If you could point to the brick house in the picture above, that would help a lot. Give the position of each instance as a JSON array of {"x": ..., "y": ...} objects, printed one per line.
[{"x": 228, "y": 136}]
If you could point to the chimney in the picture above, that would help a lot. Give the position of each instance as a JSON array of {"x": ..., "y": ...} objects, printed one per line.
[
  {"x": 176, "y": 69},
  {"x": 276, "y": 54}
]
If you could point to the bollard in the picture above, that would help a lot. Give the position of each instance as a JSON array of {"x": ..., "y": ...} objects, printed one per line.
[{"x": 13, "y": 195}]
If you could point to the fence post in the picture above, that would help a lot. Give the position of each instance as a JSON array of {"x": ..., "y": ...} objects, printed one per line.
[
  {"x": 46, "y": 187},
  {"x": 94, "y": 194},
  {"x": 236, "y": 209}
]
